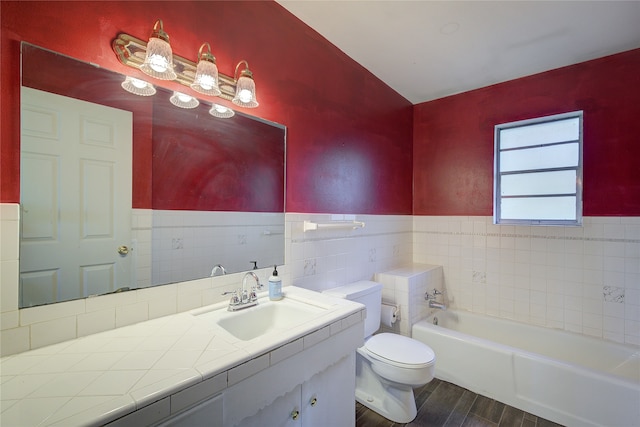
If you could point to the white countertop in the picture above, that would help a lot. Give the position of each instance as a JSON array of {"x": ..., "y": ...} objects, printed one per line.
[{"x": 99, "y": 378}]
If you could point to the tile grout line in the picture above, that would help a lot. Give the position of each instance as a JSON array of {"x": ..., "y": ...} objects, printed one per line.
[
  {"x": 529, "y": 236},
  {"x": 469, "y": 410}
]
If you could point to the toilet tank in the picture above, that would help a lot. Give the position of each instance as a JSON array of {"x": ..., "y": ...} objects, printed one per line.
[{"x": 367, "y": 293}]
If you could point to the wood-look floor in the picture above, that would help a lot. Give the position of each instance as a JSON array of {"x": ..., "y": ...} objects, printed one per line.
[{"x": 444, "y": 404}]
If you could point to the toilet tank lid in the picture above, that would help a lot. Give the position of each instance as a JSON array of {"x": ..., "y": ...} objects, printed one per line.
[{"x": 354, "y": 290}]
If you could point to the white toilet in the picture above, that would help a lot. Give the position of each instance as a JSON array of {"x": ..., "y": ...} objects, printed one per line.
[{"x": 388, "y": 366}]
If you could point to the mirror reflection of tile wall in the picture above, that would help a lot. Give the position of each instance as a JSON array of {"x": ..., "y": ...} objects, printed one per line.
[{"x": 188, "y": 244}]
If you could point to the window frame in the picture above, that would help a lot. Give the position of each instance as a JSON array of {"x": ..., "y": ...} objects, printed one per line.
[{"x": 497, "y": 199}]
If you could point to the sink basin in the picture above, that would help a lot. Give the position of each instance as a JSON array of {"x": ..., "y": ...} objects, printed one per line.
[{"x": 268, "y": 316}]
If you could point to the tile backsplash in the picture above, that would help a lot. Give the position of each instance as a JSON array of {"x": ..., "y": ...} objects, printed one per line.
[{"x": 582, "y": 279}]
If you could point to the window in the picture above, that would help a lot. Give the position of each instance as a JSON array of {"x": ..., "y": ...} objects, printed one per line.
[{"x": 538, "y": 171}]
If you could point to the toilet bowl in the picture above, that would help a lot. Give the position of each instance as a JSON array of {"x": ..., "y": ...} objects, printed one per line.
[
  {"x": 388, "y": 366},
  {"x": 400, "y": 359}
]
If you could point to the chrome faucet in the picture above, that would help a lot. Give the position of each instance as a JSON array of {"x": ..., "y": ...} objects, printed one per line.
[
  {"x": 251, "y": 296},
  {"x": 243, "y": 297},
  {"x": 215, "y": 269},
  {"x": 438, "y": 305},
  {"x": 432, "y": 300}
]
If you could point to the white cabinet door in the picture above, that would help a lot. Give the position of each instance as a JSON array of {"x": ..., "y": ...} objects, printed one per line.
[
  {"x": 281, "y": 413},
  {"x": 328, "y": 398}
]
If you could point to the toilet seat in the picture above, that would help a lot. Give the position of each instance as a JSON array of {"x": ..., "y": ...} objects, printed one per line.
[{"x": 400, "y": 351}]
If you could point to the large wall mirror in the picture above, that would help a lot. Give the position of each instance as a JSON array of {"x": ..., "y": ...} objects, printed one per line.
[{"x": 120, "y": 191}]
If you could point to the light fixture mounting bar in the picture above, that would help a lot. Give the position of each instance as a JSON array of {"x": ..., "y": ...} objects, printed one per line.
[{"x": 131, "y": 52}]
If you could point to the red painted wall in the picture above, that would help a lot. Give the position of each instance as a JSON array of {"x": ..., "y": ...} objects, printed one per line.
[
  {"x": 349, "y": 136},
  {"x": 453, "y": 136}
]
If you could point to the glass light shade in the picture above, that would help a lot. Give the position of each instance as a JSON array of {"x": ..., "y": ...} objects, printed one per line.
[
  {"x": 245, "y": 93},
  {"x": 138, "y": 87},
  {"x": 206, "y": 79},
  {"x": 183, "y": 100},
  {"x": 158, "y": 61},
  {"x": 221, "y": 111}
]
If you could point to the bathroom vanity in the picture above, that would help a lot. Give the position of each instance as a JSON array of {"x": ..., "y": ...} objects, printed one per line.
[{"x": 299, "y": 369}]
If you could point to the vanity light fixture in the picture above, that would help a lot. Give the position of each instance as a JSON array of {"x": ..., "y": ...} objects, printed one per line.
[
  {"x": 138, "y": 87},
  {"x": 206, "y": 79},
  {"x": 183, "y": 100},
  {"x": 245, "y": 87},
  {"x": 158, "y": 61},
  {"x": 221, "y": 111}
]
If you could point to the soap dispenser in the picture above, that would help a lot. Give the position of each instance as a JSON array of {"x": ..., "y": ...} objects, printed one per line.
[{"x": 275, "y": 285}]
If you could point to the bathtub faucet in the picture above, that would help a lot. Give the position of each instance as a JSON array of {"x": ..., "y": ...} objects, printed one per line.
[{"x": 438, "y": 305}]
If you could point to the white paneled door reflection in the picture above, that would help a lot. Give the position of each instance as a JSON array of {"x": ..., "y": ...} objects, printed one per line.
[{"x": 75, "y": 195}]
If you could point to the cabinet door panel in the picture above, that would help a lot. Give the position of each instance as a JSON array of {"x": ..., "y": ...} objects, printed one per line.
[
  {"x": 328, "y": 398},
  {"x": 279, "y": 413}
]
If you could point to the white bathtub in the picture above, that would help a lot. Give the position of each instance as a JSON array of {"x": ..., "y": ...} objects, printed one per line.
[{"x": 568, "y": 378}]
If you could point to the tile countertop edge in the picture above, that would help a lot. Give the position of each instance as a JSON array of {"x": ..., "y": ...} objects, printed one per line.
[
  {"x": 98, "y": 415},
  {"x": 136, "y": 399}
]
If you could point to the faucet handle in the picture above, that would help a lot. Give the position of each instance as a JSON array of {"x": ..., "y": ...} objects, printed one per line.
[
  {"x": 428, "y": 296},
  {"x": 235, "y": 300}
]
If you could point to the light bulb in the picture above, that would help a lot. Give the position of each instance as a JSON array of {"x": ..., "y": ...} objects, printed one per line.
[
  {"x": 206, "y": 82},
  {"x": 183, "y": 97},
  {"x": 158, "y": 63},
  {"x": 138, "y": 87},
  {"x": 245, "y": 95},
  {"x": 183, "y": 100},
  {"x": 221, "y": 111},
  {"x": 140, "y": 84}
]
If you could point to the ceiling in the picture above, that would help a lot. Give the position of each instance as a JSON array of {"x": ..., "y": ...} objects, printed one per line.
[{"x": 426, "y": 50}]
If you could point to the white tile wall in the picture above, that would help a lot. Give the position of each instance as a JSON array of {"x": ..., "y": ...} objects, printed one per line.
[
  {"x": 405, "y": 288},
  {"x": 141, "y": 232},
  {"x": 584, "y": 279},
  {"x": 581, "y": 279},
  {"x": 327, "y": 258}
]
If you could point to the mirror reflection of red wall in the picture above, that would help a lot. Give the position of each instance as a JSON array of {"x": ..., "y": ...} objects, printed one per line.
[
  {"x": 205, "y": 163},
  {"x": 182, "y": 159}
]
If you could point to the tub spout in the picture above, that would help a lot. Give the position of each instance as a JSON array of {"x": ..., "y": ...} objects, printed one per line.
[{"x": 434, "y": 304}]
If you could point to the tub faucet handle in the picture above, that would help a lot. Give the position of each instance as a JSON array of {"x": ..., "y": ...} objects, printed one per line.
[{"x": 428, "y": 296}]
